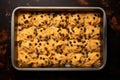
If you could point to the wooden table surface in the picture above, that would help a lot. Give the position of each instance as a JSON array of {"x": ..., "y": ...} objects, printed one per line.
[{"x": 112, "y": 68}]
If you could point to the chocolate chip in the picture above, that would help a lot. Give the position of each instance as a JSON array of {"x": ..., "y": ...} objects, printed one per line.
[
  {"x": 78, "y": 27},
  {"x": 45, "y": 22},
  {"x": 79, "y": 18},
  {"x": 34, "y": 19},
  {"x": 47, "y": 43},
  {"x": 93, "y": 17},
  {"x": 30, "y": 44},
  {"x": 97, "y": 55},
  {"x": 40, "y": 30},
  {"x": 53, "y": 44},
  {"x": 80, "y": 61},
  {"x": 75, "y": 19},
  {"x": 43, "y": 58},
  {"x": 36, "y": 50},
  {"x": 40, "y": 57},
  {"x": 56, "y": 59},
  {"x": 83, "y": 41},
  {"x": 40, "y": 36},
  {"x": 92, "y": 30},
  {"x": 30, "y": 16},
  {"x": 23, "y": 16},
  {"x": 52, "y": 34},
  {"x": 35, "y": 43},
  {"x": 75, "y": 57},
  {"x": 82, "y": 25},
  {"x": 26, "y": 21},
  {"x": 74, "y": 41},
  {"x": 67, "y": 44},
  {"x": 89, "y": 59},
  {"x": 77, "y": 22},
  {"x": 41, "y": 16},
  {"x": 56, "y": 40},
  {"x": 97, "y": 43},
  {"x": 39, "y": 43},
  {"x": 46, "y": 48},
  {"x": 28, "y": 36},
  {"x": 67, "y": 17},
  {"x": 25, "y": 56},
  {"x": 90, "y": 23},
  {"x": 47, "y": 54},
  {"x": 39, "y": 25},
  {"x": 65, "y": 54}
]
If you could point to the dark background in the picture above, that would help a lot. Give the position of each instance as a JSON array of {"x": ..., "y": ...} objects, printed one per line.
[{"x": 112, "y": 68}]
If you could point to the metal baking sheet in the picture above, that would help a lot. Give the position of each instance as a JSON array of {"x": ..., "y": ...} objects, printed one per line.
[{"x": 72, "y": 9}]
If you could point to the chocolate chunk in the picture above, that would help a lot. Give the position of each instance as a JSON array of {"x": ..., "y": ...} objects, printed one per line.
[{"x": 94, "y": 18}]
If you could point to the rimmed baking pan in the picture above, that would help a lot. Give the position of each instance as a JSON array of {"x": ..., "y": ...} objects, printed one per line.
[{"x": 58, "y": 38}]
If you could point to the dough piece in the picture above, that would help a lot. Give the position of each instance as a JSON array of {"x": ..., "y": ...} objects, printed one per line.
[
  {"x": 26, "y": 34},
  {"x": 91, "y": 59},
  {"x": 93, "y": 45},
  {"x": 27, "y": 46},
  {"x": 92, "y": 18},
  {"x": 24, "y": 19},
  {"x": 59, "y": 20},
  {"x": 23, "y": 59},
  {"x": 58, "y": 60},
  {"x": 92, "y": 32},
  {"x": 41, "y": 19},
  {"x": 77, "y": 60},
  {"x": 76, "y": 19}
]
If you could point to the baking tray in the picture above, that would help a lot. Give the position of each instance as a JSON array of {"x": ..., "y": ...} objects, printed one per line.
[{"x": 72, "y": 9}]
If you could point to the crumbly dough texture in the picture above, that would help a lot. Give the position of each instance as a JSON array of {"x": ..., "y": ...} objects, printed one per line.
[{"x": 57, "y": 39}]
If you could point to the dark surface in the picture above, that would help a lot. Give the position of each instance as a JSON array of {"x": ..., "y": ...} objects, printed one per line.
[{"x": 112, "y": 68}]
